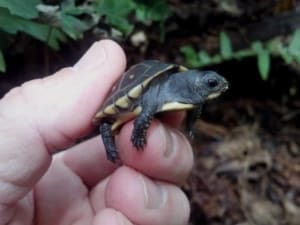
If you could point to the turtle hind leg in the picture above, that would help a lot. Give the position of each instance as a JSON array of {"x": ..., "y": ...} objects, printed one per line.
[
  {"x": 139, "y": 133},
  {"x": 109, "y": 141}
]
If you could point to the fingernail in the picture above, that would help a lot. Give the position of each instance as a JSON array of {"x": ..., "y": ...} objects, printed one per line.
[
  {"x": 154, "y": 193},
  {"x": 93, "y": 58}
]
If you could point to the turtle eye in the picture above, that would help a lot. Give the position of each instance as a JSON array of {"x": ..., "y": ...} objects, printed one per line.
[{"x": 212, "y": 83}]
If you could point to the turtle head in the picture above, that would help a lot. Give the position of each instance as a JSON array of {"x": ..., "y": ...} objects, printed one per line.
[{"x": 210, "y": 84}]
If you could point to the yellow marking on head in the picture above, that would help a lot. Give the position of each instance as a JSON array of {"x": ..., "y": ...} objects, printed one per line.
[{"x": 176, "y": 106}]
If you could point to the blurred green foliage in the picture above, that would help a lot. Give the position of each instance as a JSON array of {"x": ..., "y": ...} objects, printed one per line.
[
  {"x": 286, "y": 48},
  {"x": 116, "y": 13},
  {"x": 53, "y": 24}
]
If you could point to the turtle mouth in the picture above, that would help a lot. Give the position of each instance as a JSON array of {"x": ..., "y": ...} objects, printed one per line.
[
  {"x": 225, "y": 88},
  {"x": 214, "y": 95},
  {"x": 217, "y": 94}
]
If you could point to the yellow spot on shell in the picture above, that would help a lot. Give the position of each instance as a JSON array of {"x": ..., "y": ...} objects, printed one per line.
[
  {"x": 123, "y": 102},
  {"x": 98, "y": 116},
  {"x": 147, "y": 81},
  {"x": 110, "y": 110},
  {"x": 136, "y": 92},
  {"x": 183, "y": 68}
]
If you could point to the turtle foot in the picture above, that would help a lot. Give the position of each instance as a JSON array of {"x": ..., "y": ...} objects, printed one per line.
[
  {"x": 113, "y": 156},
  {"x": 139, "y": 140}
]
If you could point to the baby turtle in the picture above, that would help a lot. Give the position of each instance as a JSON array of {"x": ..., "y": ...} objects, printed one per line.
[{"x": 151, "y": 87}]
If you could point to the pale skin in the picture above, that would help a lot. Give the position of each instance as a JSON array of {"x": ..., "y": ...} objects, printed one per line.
[{"x": 40, "y": 186}]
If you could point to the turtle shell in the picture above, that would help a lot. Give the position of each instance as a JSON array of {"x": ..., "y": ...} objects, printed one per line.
[{"x": 119, "y": 102}]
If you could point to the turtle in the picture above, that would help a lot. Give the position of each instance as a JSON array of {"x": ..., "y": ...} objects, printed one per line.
[{"x": 151, "y": 87}]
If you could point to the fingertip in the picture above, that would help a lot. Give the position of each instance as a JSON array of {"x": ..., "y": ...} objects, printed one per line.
[
  {"x": 146, "y": 201},
  {"x": 167, "y": 155},
  {"x": 173, "y": 119},
  {"x": 98, "y": 53},
  {"x": 111, "y": 217}
]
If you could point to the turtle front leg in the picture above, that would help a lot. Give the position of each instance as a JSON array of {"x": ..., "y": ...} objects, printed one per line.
[
  {"x": 191, "y": 118},
  {"x": 139, "y": 133},
  {"x": 109, "y": 141}
]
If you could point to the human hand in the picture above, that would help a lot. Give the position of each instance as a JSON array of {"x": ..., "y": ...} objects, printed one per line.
[{"x": 80, "y": 186}]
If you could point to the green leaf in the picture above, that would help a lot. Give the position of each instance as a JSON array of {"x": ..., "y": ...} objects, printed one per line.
[
  {"x": 263, "y": 59},
  {"x": 116, "y": 12},
  {"x": 13, "y": 24},
  {"x": 73, "y": 26},
  {"x": 122, "y": 24},
  {"x": 243, "y": 54},
  {"x": 297, "y": 58},
  {"x": 2, "y": 62},
  {"x": 141, "y": 14},
  {"x": 26, "y": 9},
  {"x": 257, "y": 47},
  {"x": 69, "y": 7},
  {"x": 263, "y": 62},
  {"x": 287, "y": 57},
  {"x": 216, "y": 59},
  {"x": 148, "y": 12},
  {"x": 190, "y": 56},
  {"x": 156, "y": 11},
  {"x": 294, "y": 46},
  {"x": 295, "y": 42},
  {"x": 225, "y": 46},
  {"x": 65, "y": 18},
  {"x": 274, "y": 45},
  {"x": 204, "y": 58}
]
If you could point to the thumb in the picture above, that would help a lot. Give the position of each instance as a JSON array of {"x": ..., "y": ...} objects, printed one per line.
[{"x": 47, "y": 114}]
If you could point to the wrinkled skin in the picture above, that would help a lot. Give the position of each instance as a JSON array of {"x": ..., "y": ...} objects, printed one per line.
[{"x": 38, "y": 185}]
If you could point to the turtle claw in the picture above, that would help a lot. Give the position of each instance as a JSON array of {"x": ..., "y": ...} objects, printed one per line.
[
  {"x": 138, "y": 141},
  {"x": 113, "y": 156},
  {"x": 191, "y": 134}
]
